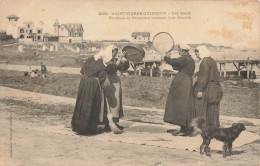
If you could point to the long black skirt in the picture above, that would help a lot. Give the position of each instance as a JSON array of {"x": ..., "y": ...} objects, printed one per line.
[{"x": 86, "y": 113}]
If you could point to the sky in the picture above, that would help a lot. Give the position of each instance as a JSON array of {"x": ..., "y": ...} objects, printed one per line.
[{"x": 228, "y": 23}]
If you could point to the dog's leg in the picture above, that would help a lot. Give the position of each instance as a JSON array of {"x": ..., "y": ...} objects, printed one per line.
[
  {"x": 202, "y": 147},
  {"x": 224, "y": 150},
  {"x": 225, "y": 146},
  {"x": 230, "y": 148},
  {"x": 207, "y": 148}
]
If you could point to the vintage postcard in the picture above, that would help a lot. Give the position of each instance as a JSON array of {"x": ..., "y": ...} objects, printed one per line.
[{"x": 129, "y": 82}]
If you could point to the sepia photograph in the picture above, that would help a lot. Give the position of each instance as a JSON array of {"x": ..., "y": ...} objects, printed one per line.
[{"x": 129, "y": 82}]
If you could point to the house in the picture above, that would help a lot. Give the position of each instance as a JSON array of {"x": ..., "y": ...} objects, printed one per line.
[
  {"x": 50, "y": 38},
  {"x": 65, "y": 33},
  {"x": 24, "y": 31},
  {"x": 140, "y": 37},
  {"x": 12, "y": 29},
  {"x": 70, "y": 33},
  {"x": 28, "y": 32},
  {"x": 54, "y": 37}
]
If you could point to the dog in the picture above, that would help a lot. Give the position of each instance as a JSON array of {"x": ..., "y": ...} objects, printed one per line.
[{"x": 226, "y": 135}]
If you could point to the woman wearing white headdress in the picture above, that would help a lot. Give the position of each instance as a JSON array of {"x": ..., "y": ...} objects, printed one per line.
[
  {"x": 178, "y": 109},
  {"x": 89, "y": 109},
  {"x": 113, "y": 94},
  {"x": 207, "y": 88}
]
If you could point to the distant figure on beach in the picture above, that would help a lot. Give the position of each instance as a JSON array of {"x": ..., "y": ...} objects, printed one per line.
[
  {"x": 36, "y": 52},
  {"x": 33, "y": 73},
  {"x": 207, "y": 88},
  {"x": 178, "y": 109},
  {"x": 43, "y": 69}
]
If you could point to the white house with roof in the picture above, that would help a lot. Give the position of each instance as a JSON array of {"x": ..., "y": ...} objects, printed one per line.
[
  {"x": 28, "y": 32},
  {"x": 140, "y": 37},
  {"x": 24, "y": 31},
  {"x": 70, "y": 33}
]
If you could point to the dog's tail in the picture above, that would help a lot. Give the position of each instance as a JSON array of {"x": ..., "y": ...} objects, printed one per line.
[{"x": 198, "y": 124}]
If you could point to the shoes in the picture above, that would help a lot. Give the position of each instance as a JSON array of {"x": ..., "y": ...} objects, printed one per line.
[
  {"x": 180, "y": 134},
  {"x": 120, "y": 127},
  {"x": 183, "y": 132},
  {"x": 107, "y": 128}
]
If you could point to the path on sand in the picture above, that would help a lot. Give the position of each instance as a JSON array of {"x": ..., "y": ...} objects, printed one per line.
[
  {"x": 139, "y": 139},
  {"x": 40, "y": 98}
]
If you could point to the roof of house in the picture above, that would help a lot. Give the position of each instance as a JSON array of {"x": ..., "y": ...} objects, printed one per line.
[
  {"x": 73, "y": 27},
  {"x": 12, "y": 16},
  {"x": 56, "y": 23},
  {"x": 143, "y": 34}
]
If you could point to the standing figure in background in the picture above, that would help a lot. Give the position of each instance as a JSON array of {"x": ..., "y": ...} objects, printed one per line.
[
  {"x": 43, "y": 69},
  {"x": 178, "y": 109},
  {"x": 207, "y": 88}
]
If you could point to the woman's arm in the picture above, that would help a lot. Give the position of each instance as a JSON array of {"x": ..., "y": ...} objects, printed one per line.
[
  {"x": 203, "y": 77},
  {"x": 120, "y": 58},
  {"x": 82, "y": 69},
  {"x": 177, "y": 63},
  {"x": 123, "y": 66},
  {"x": 102, "y": 76}
]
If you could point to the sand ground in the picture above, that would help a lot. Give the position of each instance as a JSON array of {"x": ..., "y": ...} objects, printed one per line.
[{"x": 35, "y": 143}]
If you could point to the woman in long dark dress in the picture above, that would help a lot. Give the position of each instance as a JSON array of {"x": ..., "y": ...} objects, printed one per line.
[
  {"x": 208, "y": 81},
  {"x": 89, "y": 109},
  {"x": 114, "y": 92},
  {"x": 178, "y": 109}
]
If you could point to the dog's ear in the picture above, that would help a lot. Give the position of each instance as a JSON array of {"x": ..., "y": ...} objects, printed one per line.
[
  {"x": 242, "y": 126},
  {"x": 234, "y": 124}
]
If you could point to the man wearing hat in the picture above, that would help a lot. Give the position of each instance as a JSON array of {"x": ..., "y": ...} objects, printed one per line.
[{"x": 178, "y": 109}]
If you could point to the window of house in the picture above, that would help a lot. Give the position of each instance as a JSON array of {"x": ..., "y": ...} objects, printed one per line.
[
  {"x": 28, "y": 25},
  {"x": 39, "y": 31},
  {"x": 135, "y": 37},
  {"x": 21, "y": 31},
  {"x": 39, "y": 37},
  {"x": 30, "y": 31},
  {"x": 21, "y": 36}
]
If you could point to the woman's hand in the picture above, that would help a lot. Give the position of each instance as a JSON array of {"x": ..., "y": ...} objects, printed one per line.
[
  {"x": 167, "y": 54},
  {"x": 123, "y": 54},
  {"x": 120, "y": 57},
  {"x": 199, "y": 95},
  {"x": 106, "y": 84}
]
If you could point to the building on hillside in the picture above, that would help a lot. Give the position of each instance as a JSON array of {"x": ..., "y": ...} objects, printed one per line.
[
  {"x": 140, "y": 37},
  {"x": 50, "y": 38},
  {"x": 56, "y": 27},
  {"x": 12, "y": 29},
  {"x": 28, "y": 32},
  {"x": 24, "y": 31},
  {"x": 71, "y": 33},
  {"x": 54, "y": 37}
]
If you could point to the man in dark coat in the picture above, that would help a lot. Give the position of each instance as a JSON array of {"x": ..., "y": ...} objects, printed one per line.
[{"x": 178, "y": 108}]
